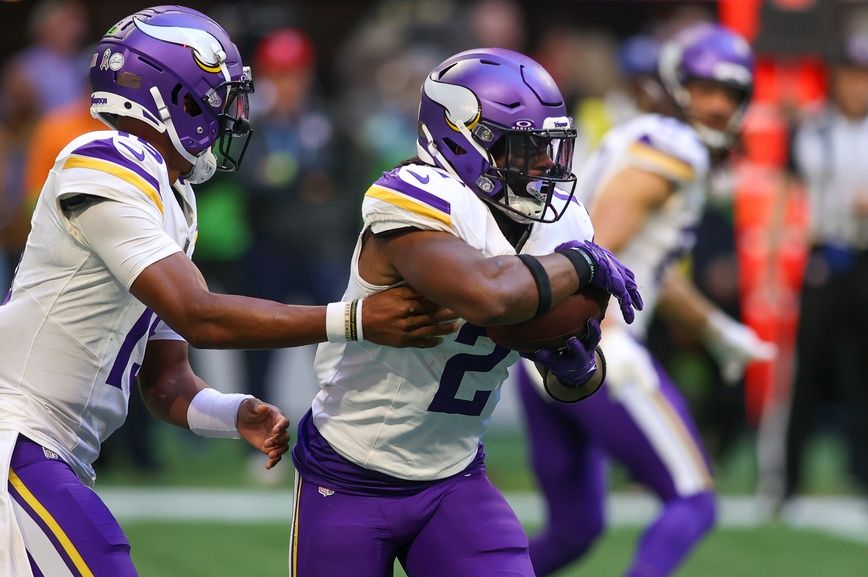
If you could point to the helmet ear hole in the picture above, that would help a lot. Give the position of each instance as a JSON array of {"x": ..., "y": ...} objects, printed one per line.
[
  {"x": 454, "y": 147},
  {"x": 191, "y": 106}
]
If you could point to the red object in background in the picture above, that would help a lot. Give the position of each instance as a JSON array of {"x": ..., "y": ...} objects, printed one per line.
[
  {"x": 283, "y": 50},
  {"x": 770, "y": 283},
  {"x": 792, "y": 82},
  {"x": 741, "y": 15}
]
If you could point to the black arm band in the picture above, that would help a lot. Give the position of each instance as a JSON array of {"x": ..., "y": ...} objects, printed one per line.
[
  {"x": 582, "y": 262},
  {"x": 543, "y": 284}
]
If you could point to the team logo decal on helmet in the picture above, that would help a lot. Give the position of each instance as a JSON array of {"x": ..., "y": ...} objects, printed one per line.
[
  {"x": 495, "y": 120},
  {"x": 460, "y": 104},
  {"x": 207, "y": 52},
  {"x": 178, "y": 71}
]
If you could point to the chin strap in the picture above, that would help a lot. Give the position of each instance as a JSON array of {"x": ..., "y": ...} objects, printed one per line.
[
  {"x": 204, "y": 165},
  {"x": 432, "y": 155}
]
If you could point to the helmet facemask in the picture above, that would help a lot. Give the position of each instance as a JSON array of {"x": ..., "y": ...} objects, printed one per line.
[
  {"x": 531, "y": 165},
  {"x": 235, "y": 130},
  {"x": 710, "y": 132}
]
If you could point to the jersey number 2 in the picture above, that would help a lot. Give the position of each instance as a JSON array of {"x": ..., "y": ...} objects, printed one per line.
[{"x": 446, "y": 400}]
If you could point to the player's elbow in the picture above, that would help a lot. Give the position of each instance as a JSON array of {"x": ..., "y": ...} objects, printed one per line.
[{"x": 197, "y": 322}]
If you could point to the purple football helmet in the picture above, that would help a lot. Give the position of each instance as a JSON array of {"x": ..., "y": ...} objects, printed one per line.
[
  {"x": 176, "y": 70},
  {"x": 713, "y": 53},
  {"x": 496, "y": 120}
]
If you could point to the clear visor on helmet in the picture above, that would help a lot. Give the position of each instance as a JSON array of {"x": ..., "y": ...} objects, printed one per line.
[
  {"x": 537, "y": 154},
  {"x": 533, "y": 164},
  {"x": 235, "y": 130}
]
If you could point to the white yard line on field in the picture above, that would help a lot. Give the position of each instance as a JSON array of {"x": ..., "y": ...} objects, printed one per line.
[{"x": 845, "y": 517}]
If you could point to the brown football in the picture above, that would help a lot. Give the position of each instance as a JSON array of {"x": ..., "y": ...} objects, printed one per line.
[{"x": 552, "y": 329}]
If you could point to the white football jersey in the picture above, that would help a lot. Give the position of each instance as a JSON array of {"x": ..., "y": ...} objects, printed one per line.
[
  {"x": 668, "y": 147},
  {"x": 419, "y": 414},
  {"x": 72, "y": 337}
]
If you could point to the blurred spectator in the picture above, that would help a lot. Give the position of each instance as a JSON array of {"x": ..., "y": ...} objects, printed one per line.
[
  {"x": 53, "y": 65},
  {"x": 498, "y": 23},
  {"x": 42, "y": 77},
  {"x": 381, "y": 69},
  {"x": 832, "y": 341},
  {"x": 300, "y": 217},
  {"x": 54, "y": 131},
  {"x": 637, "y": 57},
  {"x": 18, "y": 114},
  {"x": 584, "y": 63}
]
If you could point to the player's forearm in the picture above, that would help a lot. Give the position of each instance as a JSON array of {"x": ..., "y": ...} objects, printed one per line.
[
  {"x": 502, "y": 290},
  {"x": 168, "y": 395},
  {"x": 230, "y": 321},
  {"x": 175, "y": 289},
  {"x": 682, "y": 303}
]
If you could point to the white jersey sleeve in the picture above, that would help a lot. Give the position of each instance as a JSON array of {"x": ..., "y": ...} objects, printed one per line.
[
  {"x": 426, "y": 198},
  {"x": 118, "y": 167},
  {"x": 72, "y": 337},
  {"x": 668, "y": 148},
  {"x": 126, "y": 237}
]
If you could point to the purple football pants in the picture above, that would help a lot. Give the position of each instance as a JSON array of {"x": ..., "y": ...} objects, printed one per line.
[
  {"x": 652, "y": 434},
  {"x": 461, "y": 527},
  {"x": 67, "y": 528}
]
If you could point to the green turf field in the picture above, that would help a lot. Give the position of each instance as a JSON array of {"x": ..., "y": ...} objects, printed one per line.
[
  {"x": 217, "y": 550},
  {"x": 190, "y": 461},
  {"x": 222, "y": 549}
]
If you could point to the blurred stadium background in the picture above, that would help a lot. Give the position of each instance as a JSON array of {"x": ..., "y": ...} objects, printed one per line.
[{"x": 337, "y": 88}]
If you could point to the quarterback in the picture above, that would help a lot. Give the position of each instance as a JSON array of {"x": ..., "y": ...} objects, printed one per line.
[{"x": 106, "y": 294}]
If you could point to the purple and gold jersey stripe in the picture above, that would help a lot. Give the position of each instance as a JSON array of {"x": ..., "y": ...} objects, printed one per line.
[
  {"x": 414, "y": 200},
  {"x": 103, "y": 156},
  {"x": 21, "y": 491},
  {"x": 105, "y": 150},
  {"x": 668, "y": 163}
]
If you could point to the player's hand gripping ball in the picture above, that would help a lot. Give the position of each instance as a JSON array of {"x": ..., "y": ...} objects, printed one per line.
[{"x": 552, "y": 329}]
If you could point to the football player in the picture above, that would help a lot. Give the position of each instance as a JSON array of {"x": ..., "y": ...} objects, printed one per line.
[
  {"x": 646, "y": 184},
  {"x": 389, "y": 459},
  {"x": 106, "y": 292}
]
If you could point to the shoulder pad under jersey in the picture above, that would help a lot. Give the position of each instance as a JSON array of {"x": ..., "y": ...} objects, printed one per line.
[
  {"x": 668, "y": 147},
  {"x": 415, "y": 196},
  {"x": 113, "y": 165}
]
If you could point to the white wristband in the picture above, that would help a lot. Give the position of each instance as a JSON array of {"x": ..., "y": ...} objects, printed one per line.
[
  {"x": 344, "y": 321},
  {"x": 215, "y": 414},
  {"x": 335, "y": 322},
  {"x": 360, "y": 336}
]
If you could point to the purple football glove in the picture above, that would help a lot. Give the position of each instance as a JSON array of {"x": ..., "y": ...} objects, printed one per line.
[
  {"x": 574, "y": 363},
  {"x": 609, "y": 275}
]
